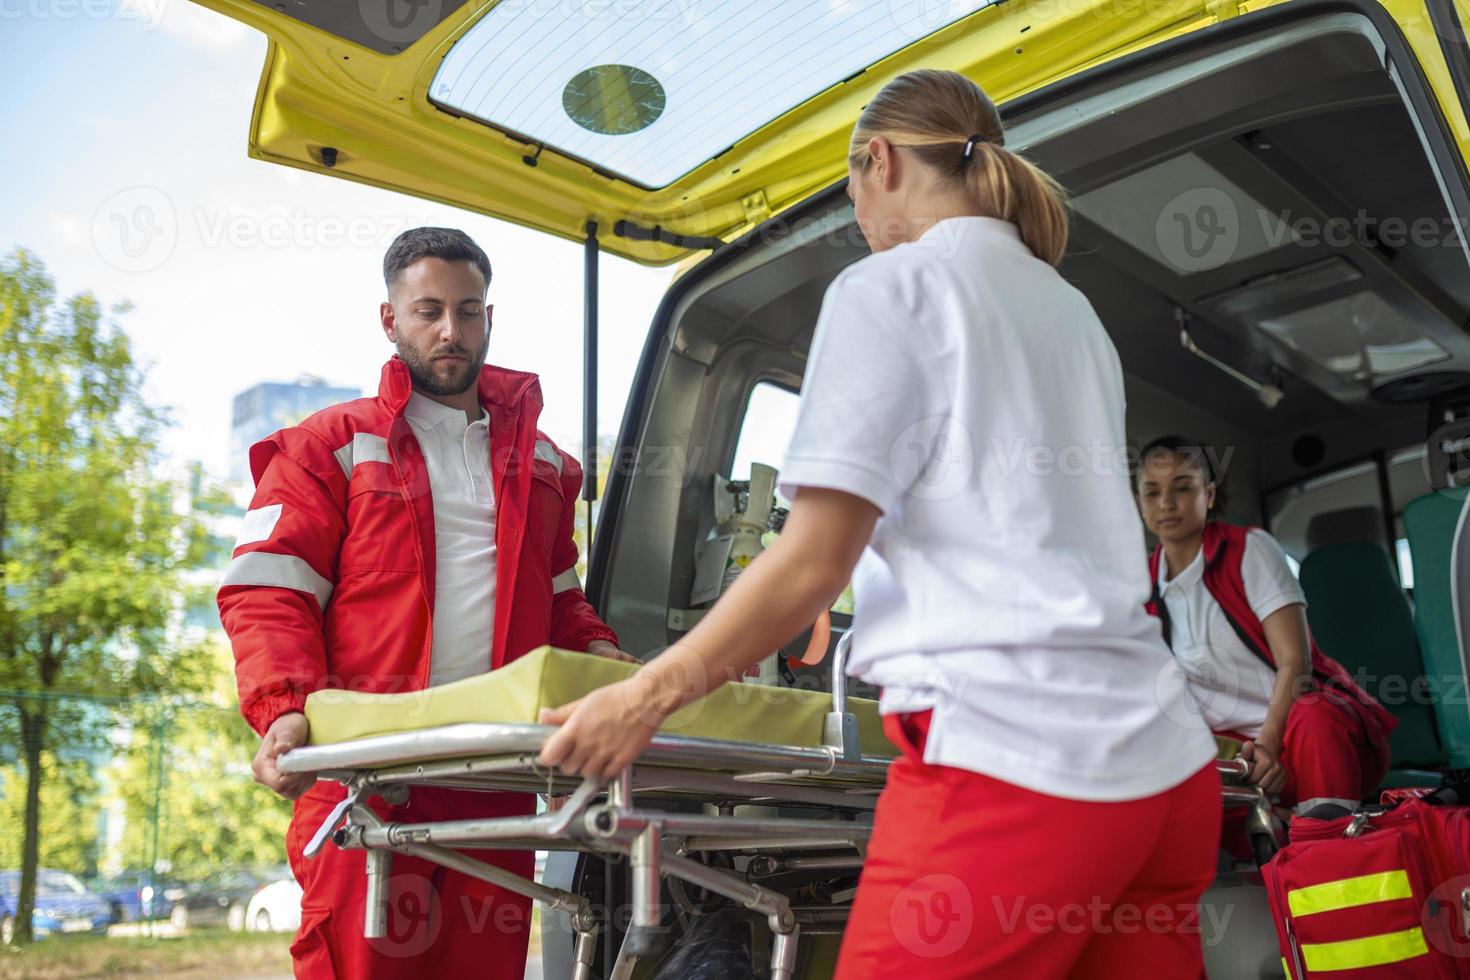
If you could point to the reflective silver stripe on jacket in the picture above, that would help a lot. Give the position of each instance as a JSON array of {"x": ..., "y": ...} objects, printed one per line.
[
  {"x": 566, "y": 580},
  {"x": 282, "y": 571},
  {"x": 364, "y": 448},
  {"x": 546, "y": 451},
  {"x": 258, "y": 525}
]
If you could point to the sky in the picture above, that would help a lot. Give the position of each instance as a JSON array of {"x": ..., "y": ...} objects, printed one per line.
[{"x": 132, "y": 116}]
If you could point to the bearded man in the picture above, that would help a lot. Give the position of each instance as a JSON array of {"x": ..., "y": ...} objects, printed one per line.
[{"x": 393, "y": 544}]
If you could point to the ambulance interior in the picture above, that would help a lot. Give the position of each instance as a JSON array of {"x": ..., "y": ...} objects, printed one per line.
[
  {"x": 1364, "y": 340},
  {"x": 1323, "y": 366}
]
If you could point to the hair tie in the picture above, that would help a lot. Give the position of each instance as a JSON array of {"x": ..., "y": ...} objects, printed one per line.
[{"x": 970, "y": 146}]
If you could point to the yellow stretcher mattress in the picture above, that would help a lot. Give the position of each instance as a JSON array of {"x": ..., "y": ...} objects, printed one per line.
[{"x": 548, "y": 677}]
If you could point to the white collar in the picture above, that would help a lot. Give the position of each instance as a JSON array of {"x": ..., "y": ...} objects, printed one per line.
[
  {"x": 1188, "y": 576},
  {"x": 973, "y": 223},
  {"x": 427, "y": 413}
]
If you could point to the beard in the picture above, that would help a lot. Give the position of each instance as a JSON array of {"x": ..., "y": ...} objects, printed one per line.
[{"x": 432, "y": 379}]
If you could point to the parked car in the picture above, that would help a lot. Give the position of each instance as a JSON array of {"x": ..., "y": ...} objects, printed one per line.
[
  {"x": 275, "y": 908},
  {"x": 63, "y": 905},
  {"x": 223, "y": 897},
  {"x": 135, "y": 895}
]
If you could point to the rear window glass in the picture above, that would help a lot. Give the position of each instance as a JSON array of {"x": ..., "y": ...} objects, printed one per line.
[
  {"x": 765, "y": 432},
  {"x": 649, "y": 91}
]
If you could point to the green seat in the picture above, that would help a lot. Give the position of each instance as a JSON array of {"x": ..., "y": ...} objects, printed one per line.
[
  {"x": 1360, "y": 616},
  {"x": 1412, "y": 779},
  {"x": 1430, "y": 523}
]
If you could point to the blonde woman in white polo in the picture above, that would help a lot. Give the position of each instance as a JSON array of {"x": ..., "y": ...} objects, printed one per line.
[{"x": 959, "y": 453}]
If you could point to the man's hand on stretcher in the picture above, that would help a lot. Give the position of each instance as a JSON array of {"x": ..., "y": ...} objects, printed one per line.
[
  {"x": 286, "y": 733},
  {"x": 779, "y": 595},
  {"x": 1267, "y": 772},
  {"x": 290, "y": 730},
  {"x": 602, "y": 648}
]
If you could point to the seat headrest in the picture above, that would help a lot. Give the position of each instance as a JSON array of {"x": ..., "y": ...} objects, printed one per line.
[
  {"x": 1345, "y": 526},
  {"x": 1447, "y": 454}
]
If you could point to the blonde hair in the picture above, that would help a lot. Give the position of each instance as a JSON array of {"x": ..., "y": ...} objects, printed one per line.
[{"x": 933, "y": 114}]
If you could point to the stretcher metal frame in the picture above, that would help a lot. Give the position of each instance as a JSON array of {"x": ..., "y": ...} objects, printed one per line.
[
  {"x": 624, "y": 817},
  {"x": 604, "y": 818}
]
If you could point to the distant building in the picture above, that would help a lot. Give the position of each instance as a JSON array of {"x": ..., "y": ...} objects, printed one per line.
[
  {"x": 220, "y": 508},
  {"x": 274, "y": 405}
]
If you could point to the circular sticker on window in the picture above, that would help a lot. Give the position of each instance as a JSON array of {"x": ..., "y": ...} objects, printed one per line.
[{"x": 614, "y": 100}]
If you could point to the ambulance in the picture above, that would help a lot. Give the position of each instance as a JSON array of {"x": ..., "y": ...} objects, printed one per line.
[{"x": 1271, "y": 203}]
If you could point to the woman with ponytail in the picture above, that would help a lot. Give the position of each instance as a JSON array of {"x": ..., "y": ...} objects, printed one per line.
[{"x": 959, "y": 454}]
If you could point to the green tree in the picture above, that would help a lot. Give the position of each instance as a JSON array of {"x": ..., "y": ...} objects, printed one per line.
[
  {"x": 91, "y": 543},
  {"x": 70, "y": 811},
  {"x": 210, "y": 811}
]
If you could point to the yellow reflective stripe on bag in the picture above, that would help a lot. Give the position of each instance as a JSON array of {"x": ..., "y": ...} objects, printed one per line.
[
  {"x": 1346, "y": 893},
  {"x": 1358, "y": 954}
]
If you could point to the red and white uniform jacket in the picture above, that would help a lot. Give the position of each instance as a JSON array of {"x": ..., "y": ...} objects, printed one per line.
[{"x": 332, "y": 580}]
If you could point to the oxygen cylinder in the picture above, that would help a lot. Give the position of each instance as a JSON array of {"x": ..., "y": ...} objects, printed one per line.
[
  {"x": 744, "y": 512},
  {"x": 749, "y": 523}
]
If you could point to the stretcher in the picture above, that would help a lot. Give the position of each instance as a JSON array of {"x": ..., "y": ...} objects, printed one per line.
[{"x": 713, "y": 806}]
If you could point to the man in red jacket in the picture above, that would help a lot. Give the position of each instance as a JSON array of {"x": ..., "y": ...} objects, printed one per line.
[{"x": 396, "y": 543}]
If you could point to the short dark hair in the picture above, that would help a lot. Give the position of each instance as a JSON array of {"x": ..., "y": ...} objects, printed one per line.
[
  {"x": 449, "y": 244},
  {"x": 1201, "y": 454}
]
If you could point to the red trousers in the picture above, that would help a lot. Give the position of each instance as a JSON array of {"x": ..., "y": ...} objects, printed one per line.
[
  {"x": 440, "y": 923},
  {"x": 968, "y": 876},
  {"x": 1327, "y": 752}
]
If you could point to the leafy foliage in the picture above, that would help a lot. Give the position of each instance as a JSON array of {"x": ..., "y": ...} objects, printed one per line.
[
  {"x": 92, "y": 544},
  {"x": 212, "y": 813},
  {"x": 70, "y": 815}
]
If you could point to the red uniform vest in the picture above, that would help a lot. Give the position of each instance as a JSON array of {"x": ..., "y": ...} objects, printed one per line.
[{"x": 1224, "y": 549}]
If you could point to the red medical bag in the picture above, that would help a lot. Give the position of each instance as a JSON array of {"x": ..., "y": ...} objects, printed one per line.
[{"x": 1372, "y": 897}]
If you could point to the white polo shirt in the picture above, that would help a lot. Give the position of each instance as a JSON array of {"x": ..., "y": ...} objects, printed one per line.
[
  {"x": 1231, "y": 684},
  {"x": 457, "y": 455},
  {"x": 970, "y": 393}
]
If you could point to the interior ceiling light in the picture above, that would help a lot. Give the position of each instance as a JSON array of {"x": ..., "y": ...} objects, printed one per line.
[
  {"x": 1275, "y": 287},
  {"x": 1185, "y": 215},
  {"x": 1356, "y": 337}
]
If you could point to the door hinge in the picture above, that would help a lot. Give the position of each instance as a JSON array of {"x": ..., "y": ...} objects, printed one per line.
[
  {"x": 757, "y": 208},
  {"x": 1223, "y": 9}
]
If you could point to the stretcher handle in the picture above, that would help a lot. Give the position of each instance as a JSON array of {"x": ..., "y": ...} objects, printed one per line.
[
  {"x": 840, "y": 728},
  {"x": 1233, "y": 767},
  {"x": 839, "y": 672},
  {"x": 338, "y": 814}
]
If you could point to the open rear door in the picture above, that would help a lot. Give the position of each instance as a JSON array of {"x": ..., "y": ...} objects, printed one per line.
[
  {"x": 672, "y": 125},
  {"x": 1436, "y": 30}
]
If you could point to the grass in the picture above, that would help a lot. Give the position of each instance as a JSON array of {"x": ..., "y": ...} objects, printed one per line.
[{"x": 204, "y": 953}]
